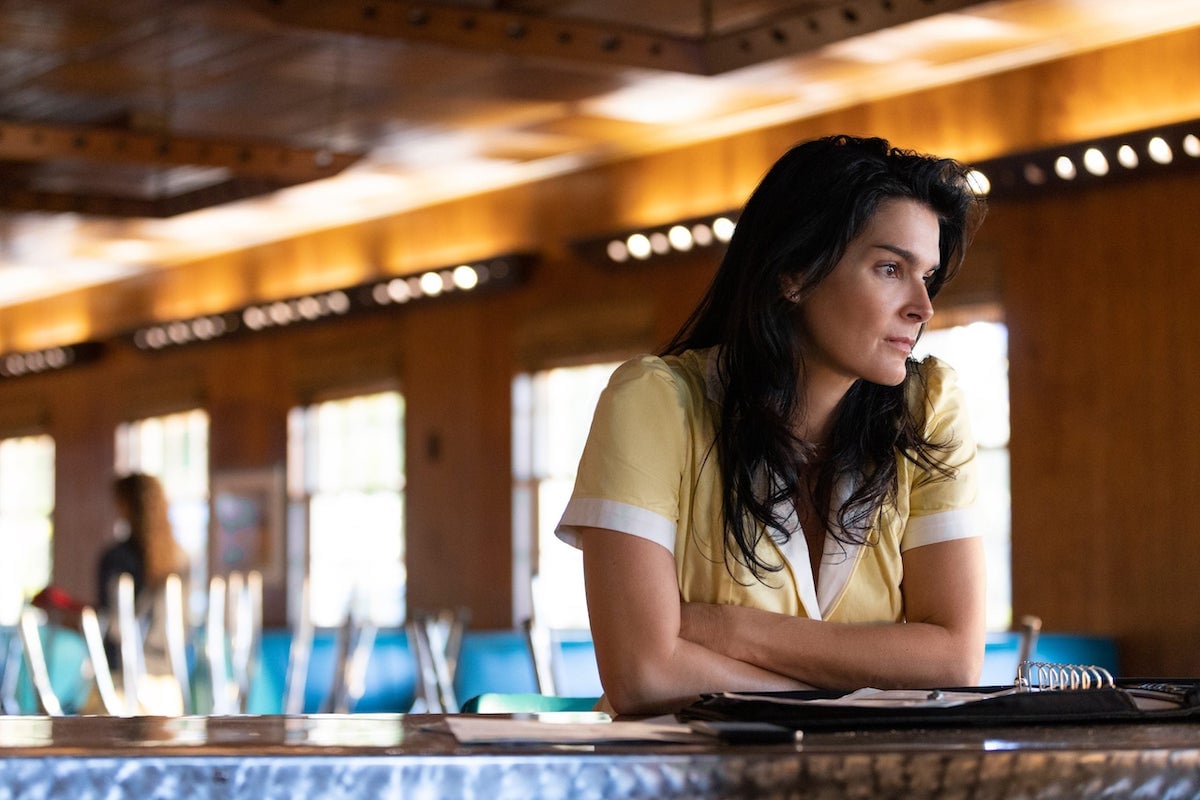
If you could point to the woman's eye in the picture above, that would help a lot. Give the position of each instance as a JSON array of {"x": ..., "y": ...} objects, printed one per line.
[
  {"x": 890, "y": 270},
  {"x": 928, "y": 277}
]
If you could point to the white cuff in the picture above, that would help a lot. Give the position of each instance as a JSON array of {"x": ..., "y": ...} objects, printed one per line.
[
  {"x": 594, "y": 512},
  {"x": 944, "y": 526}
]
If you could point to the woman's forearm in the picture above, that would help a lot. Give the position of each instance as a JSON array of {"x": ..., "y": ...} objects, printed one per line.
[
  {"x": 837, "y": 655},
  {"x": 649, "y": 682},
  {"x": 941, "y": 644},
  {"x": 633, "y": 604}
]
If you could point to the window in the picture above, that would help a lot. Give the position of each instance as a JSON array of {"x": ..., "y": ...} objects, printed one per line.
[
  {"x": 552, "y": 413},
  {"x": 26, "y": 524},
  {"x": 346, "y": 489},
  {"x": 174, "y": 449},
  {"x": 979, "y": 353}
]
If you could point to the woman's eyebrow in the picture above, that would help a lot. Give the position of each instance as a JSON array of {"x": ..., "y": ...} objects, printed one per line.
[{"x": 907, "y": 255}]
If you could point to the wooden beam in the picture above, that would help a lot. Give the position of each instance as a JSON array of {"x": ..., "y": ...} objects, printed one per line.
[
  {"x": 802, "y": 32},
  {"x": 21, "y": 199},
  {"x": 492, "y": 31},
  {"x": 604, "y": 43},
  {"x": 23, "y": 141}
]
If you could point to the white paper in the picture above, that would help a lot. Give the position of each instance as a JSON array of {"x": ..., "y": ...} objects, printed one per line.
[
  {"x": 881, "y": 698},
  {"x": 485, "y": 729}
]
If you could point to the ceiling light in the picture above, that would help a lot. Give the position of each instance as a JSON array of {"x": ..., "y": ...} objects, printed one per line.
[
  {"x": 680, "y": 237},
  {"x": 1095, "y": 162},
  {"x": 1064, "y": 168},
  {"x": 617, "y": 251},
  {"x": 1160, "y": 151},
  {"x": 978, "y": 182},
  {"x": 255, "y": 319},
  {"x": 33, "y": 362},
  {"x": 399, "y": 290},
  {"x": 639, "y": 246},
  {"x": 432, "y": 284},
  {"x": 465, "y": 277},
  {"x": 1127, "y": 157},
  {"x": 723, "y": 229}
]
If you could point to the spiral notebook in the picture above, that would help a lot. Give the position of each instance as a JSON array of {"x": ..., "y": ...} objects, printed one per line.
[{"x": 1042, "y": 694}]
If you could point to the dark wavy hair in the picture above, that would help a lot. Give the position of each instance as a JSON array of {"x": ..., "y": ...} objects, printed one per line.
[{"x": 798, "y": 223}]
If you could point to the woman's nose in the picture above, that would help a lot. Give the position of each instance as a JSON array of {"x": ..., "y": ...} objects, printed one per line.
[{"x": 920, "y": 307}]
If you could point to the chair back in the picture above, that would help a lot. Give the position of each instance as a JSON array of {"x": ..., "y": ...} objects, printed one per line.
[
  {"x": 354, "y": 641},
  {"x": 10, "y": 668},
  {"x": 113, "y": 702},
  {"x": 177, "y": 637},
  {"x": 436, "y": 642},
  {"x": 35, "y": 661},
  {"x": 131, "y": 643},
  {"x": 233, "y": 639}
]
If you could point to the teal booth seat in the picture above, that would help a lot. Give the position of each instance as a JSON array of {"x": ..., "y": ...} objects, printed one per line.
[
  {"x": 391, "y": 679},
  {"x": 575, "y": 670},
  {"x": 499, "y": 662},
  {"x": 68, "y": 664},
  {"x": 496, "y": 674},
  {"x": 489, "y": 661},
  {"x": 1003, "y": 650},
  {"x": 494, "y": 661}
]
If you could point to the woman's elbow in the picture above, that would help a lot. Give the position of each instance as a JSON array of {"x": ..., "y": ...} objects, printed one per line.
[
  {"x": 964, "y": 667},
  {"x": 632, "y": 700},
  {"x": 641, "y": 686}
]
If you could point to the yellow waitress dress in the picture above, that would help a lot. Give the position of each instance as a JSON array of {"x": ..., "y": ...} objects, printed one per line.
[{"x": 648, "y": 469}]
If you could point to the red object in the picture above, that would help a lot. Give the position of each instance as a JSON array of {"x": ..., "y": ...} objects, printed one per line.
[{"x": 52, "y": 598}]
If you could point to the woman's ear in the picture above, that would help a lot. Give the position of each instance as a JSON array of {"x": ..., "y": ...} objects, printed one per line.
[{"x": 790, "y": 288}]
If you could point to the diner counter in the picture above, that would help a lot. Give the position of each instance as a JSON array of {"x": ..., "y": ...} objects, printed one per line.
[{"x": 370, "y": 756}]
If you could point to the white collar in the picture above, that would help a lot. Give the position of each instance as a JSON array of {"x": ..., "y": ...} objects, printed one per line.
[{"x": 838, "y": 559}]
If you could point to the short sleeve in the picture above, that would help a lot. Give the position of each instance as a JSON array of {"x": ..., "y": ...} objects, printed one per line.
[
  {"x": 941, "y": 507},
  {"x": 632, "y": 465}
]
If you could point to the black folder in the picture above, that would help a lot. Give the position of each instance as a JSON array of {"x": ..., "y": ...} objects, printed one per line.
[{"x": 1127, "y": 700}]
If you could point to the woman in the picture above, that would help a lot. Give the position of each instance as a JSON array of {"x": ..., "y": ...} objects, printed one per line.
[
  {"x": 147, "y": 548},
  {"x": 149, "y": 553},
  {"x": 781, "y": 500}
]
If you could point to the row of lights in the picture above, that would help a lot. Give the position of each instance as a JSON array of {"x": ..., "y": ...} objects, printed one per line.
[
  {"x": 335, "y": 303},
  {"x": 678, "y": 237},
  {"x": 50, "y": 359},
  {"x": 1125, "y": 155},
  {"x": 1158, "y": 149},
  {"x": 1096, "y": 159},
  {"x": 463, "y": 278}
]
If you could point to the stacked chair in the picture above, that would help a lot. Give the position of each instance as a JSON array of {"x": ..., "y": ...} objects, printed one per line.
[
  {"x": 435, "y": 641},
  {"x": 353, "y": 643},
  {"x": 207, "y": 672}
]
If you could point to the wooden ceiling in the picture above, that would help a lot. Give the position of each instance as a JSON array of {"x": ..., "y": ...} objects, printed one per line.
[
  {"x": 151, "y": 108},
  {"x": 118, "y": 118}
]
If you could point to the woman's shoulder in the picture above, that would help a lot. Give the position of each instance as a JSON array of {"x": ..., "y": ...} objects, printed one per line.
[
  {"x": 937, "y": 388},
  {"x": 936, "y": 373},
  {"x": 684, "y": 374}
]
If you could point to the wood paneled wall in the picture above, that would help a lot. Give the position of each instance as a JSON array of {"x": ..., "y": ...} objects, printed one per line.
[
  {"x": 1097, "y": 290},
  {"x": 1105, "y": 370}
]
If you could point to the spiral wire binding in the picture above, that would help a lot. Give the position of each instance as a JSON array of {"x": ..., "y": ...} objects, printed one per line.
[{"x": 1059, "y": 677}]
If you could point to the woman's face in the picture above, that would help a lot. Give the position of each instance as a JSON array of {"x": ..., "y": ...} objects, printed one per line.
[{"x": 863, "y": 319}]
